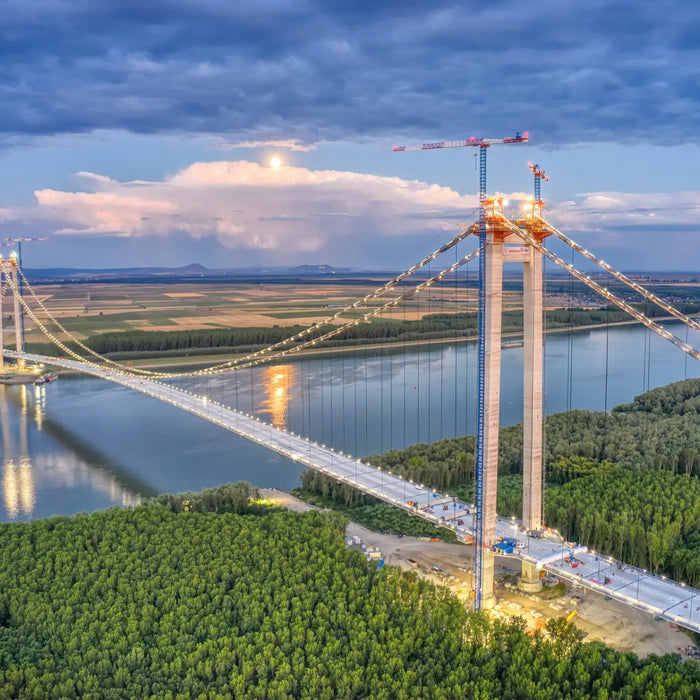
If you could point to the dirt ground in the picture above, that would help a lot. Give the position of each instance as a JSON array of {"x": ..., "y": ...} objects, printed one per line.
[{"x": 619, "y": 626}]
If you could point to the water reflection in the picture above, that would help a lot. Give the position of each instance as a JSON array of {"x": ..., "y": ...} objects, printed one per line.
[
  {"x": 279, "y": 381},
  {"x": 19, "y": 492},
  {"x": 39, "y": 404},
  {"x": 18, "y": 488},
  {"x": 32, "y": 465}
]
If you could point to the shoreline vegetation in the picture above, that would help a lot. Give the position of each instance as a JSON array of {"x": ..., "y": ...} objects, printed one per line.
[
  {"x": 626, "y": 483},
  {"x": 220, "y": 594},
  {"x": 188, "y": 349}
]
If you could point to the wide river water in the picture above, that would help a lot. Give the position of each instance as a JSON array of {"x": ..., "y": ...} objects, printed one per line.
[{"x": 82, "y": 444}]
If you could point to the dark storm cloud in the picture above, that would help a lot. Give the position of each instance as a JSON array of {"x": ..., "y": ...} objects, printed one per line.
[{"x": 313, "y": 70}]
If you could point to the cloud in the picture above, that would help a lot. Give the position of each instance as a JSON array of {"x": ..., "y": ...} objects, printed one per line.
[
  {"x": 302, "y": 72},
  {"x": 246, "y": 206},
  {"x": 634, "y": 231},
  {"x": 605, "y": 211},
  {"x": 296, "y": 212}
]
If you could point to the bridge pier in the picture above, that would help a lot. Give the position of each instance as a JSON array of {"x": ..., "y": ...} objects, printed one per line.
[
  {"x": 19, "y": 345},
  {"x": 492, "y": 399},
  {"x": 499, "y": 250},
  {"x": 533, "y": 360},
  {"x": 530, "y": 581},
  {"x": 2, "y": 337}
]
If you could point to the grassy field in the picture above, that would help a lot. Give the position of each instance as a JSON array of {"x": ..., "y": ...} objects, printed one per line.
[
  {"x": 85, "y": 309},
  {"x": 89, "y": 308}
]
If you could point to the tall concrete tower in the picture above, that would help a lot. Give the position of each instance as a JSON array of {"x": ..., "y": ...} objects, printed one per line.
[
  {"x": 2, "y": 299},
  {"x": 19, "y": 339},
  {"x": 503, "y": 246},
  {"x": 492, "y": 234},
  {"x": 8, "y": 268}
]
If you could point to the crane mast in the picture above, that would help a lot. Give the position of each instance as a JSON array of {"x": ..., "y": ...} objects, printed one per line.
[{"x": 539, "y": 175}]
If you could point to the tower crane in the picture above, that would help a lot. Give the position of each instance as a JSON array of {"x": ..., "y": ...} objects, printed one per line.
[
  {"x": 532, "y": 208},
  {"x": 482, "y": 144},
  {"x": 23, "y": 239},
  {"x": 539, "y": 176}
]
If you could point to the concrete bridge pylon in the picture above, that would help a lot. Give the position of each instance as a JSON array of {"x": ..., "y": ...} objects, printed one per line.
[
  {"x": 500, "y": 249},
  {"x": 11, "y": 271}
]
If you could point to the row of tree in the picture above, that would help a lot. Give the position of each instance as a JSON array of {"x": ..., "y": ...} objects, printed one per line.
[
  {"x": 642, "y": 518},
  {"x": 634, "y": 439},
  {"x": 431, "y": 326},
  {"x": 679, "y": 398},
  {"x": 164, "y": 601}
]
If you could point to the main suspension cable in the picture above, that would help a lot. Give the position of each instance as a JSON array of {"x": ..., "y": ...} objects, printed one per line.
[
  {"x": 246, "y": 360},
  {"x": 380, "y": 291},
  {"x": 620, "y": 276},
  {"x": 73, "y": 339},
  {"x": 602, "y": 291},
  {"x": 56, "y": 341},
  {"x": 356, "y": 322},
  {"x": 259, "y": 360}
]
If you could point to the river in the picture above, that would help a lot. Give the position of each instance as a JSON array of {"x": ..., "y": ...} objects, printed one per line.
[{"x": 81, "y": 444}]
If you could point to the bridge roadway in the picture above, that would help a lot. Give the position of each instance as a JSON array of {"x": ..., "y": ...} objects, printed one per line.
[{"x": 636, "y": 587}]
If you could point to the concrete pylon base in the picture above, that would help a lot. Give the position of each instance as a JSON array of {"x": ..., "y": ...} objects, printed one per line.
[
  {"x": 530, "y": 581},
  {"x": 488, "y": 602}
]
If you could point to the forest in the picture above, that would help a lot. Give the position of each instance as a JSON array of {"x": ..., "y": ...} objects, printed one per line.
[
  {"x": 626, "y": 483},
  {"x": 434, "y": 326},
  {"x": 212, "y": 596}
]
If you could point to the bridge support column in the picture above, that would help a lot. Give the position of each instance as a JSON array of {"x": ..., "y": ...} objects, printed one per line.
[
  {"x": 492, "y": 395},
  {"x": 530, "y": 581},
  {"x": 533, "y": 351},
  {"x": 19, "y": 344},
  {"x": 2, "y": 337}
]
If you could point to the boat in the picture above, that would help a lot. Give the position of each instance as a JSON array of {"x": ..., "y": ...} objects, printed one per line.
[{"x": 47, "y": 378}]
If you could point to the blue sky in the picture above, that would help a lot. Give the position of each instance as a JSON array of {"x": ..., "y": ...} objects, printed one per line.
[{"x": 141, "y": 133}]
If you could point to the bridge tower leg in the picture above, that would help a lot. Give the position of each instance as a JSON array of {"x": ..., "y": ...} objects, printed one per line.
[
  {"x": 530, "y": 581},
  {"x": 19, "y": 344},
  {"x": 2, "y": 298},
  {"x": 533, "y": 350},
  {"x": 493, "y": 283}
]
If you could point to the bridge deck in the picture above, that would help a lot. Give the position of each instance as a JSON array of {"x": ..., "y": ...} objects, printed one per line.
[{"x": 630, "y": 585}]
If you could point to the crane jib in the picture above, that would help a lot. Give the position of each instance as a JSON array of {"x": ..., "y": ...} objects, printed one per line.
[{"x": 520, "y": 137}]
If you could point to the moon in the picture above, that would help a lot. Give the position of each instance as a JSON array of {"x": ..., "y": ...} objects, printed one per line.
[{"x": 275, "y": 162}]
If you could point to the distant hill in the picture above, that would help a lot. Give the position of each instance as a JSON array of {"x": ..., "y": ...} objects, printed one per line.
[
  {"x": 199, "y": 273},
  {"x": 194, "y": 270}
]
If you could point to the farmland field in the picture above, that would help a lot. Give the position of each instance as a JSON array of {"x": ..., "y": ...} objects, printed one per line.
[{"x": 85, "y": 309}]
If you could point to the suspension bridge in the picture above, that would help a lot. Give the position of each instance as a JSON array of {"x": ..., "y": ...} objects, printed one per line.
[{"x": 501, "y": 240}]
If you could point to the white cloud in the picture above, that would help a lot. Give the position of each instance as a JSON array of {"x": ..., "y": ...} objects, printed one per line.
[
  {"x": 247, "y": 206},
  {"x": 598, "y": 211},
  {"x": 338, "y": 216}
]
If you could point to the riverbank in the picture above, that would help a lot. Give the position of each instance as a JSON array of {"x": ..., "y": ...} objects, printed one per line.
[
  {"x": 619, "y": 626},
  {"x": 202, "y": 360}
]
